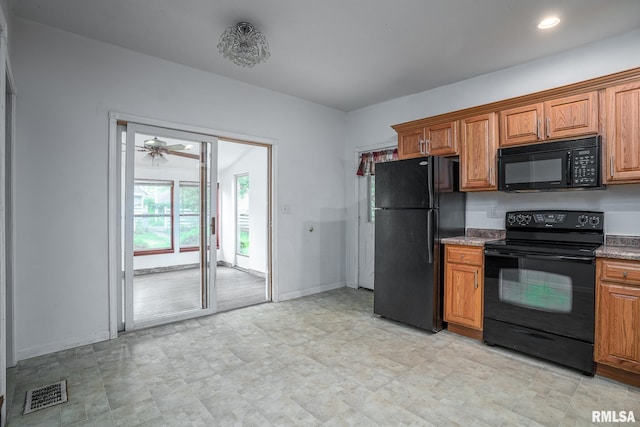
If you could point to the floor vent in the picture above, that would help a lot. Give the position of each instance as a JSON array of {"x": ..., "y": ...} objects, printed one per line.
[{"x": 44, "y": 397}]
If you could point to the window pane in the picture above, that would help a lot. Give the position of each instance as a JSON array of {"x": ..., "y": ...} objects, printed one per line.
[
  {"x": 189, "y": 231},
  {"x": 189, "y": 199},
  {"x": 372, "y": 198},
  {"x": 151, "y": 233},
  {"x": 242, "y": 214},
  {"x": 152, "y": 228}
]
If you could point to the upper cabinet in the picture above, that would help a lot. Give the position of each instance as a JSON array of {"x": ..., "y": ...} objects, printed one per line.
[
  {"x": 479, "y": 139},
  {"x": 559, "y": 118},
  {"x": 430, "y": 140},
  {"x": 622, "y": 133}
]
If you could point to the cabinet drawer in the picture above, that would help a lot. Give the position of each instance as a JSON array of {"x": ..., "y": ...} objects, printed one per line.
[
  {"x": 464, "y": 255},
  {"x": 620, "y": 271}
]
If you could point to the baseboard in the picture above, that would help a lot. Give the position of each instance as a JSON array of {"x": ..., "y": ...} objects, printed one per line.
[
  {"x": 463, "y": 330},
  {"x": 617, "y": 374},
  {"x": 143, "y": 271},
  {"x": 40, "y": 350},
  {"x": 310, "y": 291}
]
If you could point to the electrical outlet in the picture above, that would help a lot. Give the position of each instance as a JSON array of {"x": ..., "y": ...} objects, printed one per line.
[{"x": 494, "y": 212}]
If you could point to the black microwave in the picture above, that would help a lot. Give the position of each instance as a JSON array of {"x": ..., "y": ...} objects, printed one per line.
[{"x": 560, "y": 165}]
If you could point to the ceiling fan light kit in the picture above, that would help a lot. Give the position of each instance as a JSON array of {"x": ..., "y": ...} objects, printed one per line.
[{"x": 243, "y": 45}]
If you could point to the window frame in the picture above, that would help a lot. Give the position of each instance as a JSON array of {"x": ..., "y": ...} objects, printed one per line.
[
  {"x": 180, "y": 214},
  {"x": 237, "y": 215},
  {"x": 160, "y": 183}
]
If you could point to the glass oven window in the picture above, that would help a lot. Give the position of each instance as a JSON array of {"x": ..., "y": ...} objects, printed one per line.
[
  {"x": 535, "y": 289},
  {"x": 543, "y": 170}
]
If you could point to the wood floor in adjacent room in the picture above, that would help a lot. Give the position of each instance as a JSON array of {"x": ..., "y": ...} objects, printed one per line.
[
  {"x": 320, "y": 360},
  {"x": 171, "y": 292}
]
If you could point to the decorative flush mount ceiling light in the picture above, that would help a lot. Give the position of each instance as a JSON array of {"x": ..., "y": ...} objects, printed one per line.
[
  {"x": 549, "y": 22},
  {"x": 244, "y": 45}
]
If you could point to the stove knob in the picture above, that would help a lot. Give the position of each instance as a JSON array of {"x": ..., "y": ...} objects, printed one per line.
[
  {"x": 511, "y": 218},
  {"x": 527, "y": 219},
  {"x": 594, "y": 220},
  {"x": 582, "y": 219},
  {"x": 520, "y": 219}
]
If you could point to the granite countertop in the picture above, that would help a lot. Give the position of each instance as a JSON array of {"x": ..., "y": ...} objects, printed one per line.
[
  {"x": 475, "y": 237},
  {"x": 620, "y": 247}
]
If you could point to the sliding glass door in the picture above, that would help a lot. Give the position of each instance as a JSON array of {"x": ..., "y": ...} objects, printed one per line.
[{"x": 169, "y": 225}]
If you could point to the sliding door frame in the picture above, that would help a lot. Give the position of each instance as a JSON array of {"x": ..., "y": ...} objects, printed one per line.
[{"x": 115, "y": 224}]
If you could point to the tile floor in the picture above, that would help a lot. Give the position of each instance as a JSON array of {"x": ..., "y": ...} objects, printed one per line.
[{"x": 318, "y": 360}]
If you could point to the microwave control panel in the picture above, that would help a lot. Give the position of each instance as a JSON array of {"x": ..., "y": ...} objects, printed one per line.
[{"x": 585, "y": 166}]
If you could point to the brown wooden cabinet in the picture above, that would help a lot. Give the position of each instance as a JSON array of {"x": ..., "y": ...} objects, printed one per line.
[
  {"x": 463, "y": 289},
  {"x": 431, "y": 140},
  {"x": 479, "y": 141},
  {"x": 622, "y": 133},
  {"x": 558, "y": 118},
  {"x": 617, "y": 339},
  {"x": 411, "y": 144}
]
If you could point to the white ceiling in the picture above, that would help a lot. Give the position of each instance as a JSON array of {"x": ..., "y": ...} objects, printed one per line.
[{"x": 345, "y": 54}]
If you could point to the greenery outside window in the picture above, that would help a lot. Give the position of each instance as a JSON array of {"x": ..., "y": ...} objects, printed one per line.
[
  {"x": 242, "y": 214},
  {"x": 189, "y": 217},
  {"x": 153, "y": 217}
]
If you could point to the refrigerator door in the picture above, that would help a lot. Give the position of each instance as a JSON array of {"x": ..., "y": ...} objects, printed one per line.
[
  {"x": 405, "y": 184},
  {"x": 404, "y": 278}
]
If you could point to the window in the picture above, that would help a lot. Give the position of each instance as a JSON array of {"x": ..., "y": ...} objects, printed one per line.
[
  {"x": 242, "y": 214},
  {"x": 371, "y": 199},
  {"x": 189, "y": 219},
  {"x": 153, "y": 217}
]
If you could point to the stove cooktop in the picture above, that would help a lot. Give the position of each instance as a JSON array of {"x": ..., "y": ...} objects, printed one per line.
[{"x": 543, "y": 247}]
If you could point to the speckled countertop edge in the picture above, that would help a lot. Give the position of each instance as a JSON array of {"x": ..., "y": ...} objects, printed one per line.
[
  {"x": 620, "y": 247},
  {"x": 475, "y": 237}
]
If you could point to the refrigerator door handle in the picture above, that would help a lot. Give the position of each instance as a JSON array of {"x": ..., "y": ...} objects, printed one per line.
[
  {"x": 430, "y": 235},
  {"x": 431, "y": 183}
]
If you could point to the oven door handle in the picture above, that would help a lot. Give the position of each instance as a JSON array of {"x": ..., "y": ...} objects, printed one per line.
[{"x": 585, "y": 259}]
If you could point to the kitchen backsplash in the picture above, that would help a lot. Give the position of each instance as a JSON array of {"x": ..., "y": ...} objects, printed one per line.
[{"x": 620, "y": 203}]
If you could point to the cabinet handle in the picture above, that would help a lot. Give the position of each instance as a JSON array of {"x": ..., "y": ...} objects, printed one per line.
[
  {"x": 624, "y": 274},
  {"x": 427, "y": 146},
  {"x": 611, "y": 166},
  {"x": 538, "y": 130},
  {"x": 548, "y": 127},
  {"x": 420, "y": 145},
  {"x": 490, "y": 175},
  {"x": 475, "y": 279}
]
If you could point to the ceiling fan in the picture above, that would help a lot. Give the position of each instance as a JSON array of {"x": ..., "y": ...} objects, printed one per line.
[{"x": 157, "y": 148}]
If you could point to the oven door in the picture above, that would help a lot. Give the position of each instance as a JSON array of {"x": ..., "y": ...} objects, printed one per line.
[
  {"x": 551, "y": 293},
  {"x": 534, "y": 171}
]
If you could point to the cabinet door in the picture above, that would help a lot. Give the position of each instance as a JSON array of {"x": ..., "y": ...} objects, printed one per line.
[
  {"x": 618, "y": 326},
  {"x": 442, "y": 140},
  {"x": 463, "y": 295},
  {"x": 478, "y": 153},
  {"x": 571, "y": 116},
  {"x": 622, "y": 162},
  {"x": 522, "y": 125},
  {"x": 411, "y": 144}
]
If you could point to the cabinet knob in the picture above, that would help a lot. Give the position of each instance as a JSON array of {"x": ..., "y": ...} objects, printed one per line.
[{"x": 624, "y": 274}]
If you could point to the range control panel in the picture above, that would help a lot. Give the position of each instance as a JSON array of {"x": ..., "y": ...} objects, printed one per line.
[{"x": 563, "y": 220}]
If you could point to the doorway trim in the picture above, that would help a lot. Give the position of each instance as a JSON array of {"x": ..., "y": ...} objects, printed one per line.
[
  {"x": 390, "y": 143},
  {"x": 115, "y": 224}
]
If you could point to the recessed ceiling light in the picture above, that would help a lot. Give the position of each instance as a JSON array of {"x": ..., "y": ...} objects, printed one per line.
[{"x": 549, "y": 22}]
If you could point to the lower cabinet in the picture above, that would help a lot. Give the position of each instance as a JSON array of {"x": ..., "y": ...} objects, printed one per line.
[
  {"x": 463, "y": 289},
  {"x": 617, "y": 340}
]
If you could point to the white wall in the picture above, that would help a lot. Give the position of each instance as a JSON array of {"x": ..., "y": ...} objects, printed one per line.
[
  {"x": 371, "y": 126},
  {"x": 68, "y": 85},
  {"x": 255, "y": 163}
]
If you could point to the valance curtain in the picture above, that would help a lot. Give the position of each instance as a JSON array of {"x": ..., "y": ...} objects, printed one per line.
[{"x": 368, "y": 160}]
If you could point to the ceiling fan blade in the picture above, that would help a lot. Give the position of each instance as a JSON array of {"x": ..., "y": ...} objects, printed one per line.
[
  {"x": 180, "y": 154},
  {"x": 178, "y": 147}
]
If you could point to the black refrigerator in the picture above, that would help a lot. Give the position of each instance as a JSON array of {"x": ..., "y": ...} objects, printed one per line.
[{"x": 418, "y": 202}]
